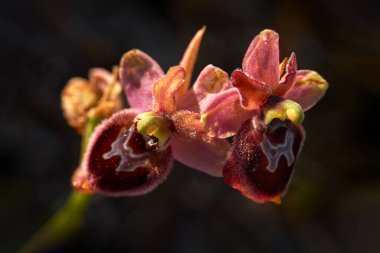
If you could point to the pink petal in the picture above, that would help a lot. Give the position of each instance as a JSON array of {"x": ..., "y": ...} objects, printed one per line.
[
  {"x": 138, "y": 73},
  {"x": 187, "y": 125},
  {"x": 210, "y": 81},
  {"x": 308, "y": 88},
  {"x": 188, "y": 102},
  {"x": 261, "y": 60},
  {"x": 262, "y": 159},
  {"x": 119, "y": 161},
  {"x": 190, "y": 56},
  {"x": 207, "y": 157},
  {"x": 253, "y": 93},
  {"x": 288, "y": 79},
  {"x": 222, "y": 114},
  {"x": 100, "y": 77},
  {"x": 168, "y": 90}
]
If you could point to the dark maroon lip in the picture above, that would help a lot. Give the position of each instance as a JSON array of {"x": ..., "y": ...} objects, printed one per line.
[
  {"x": 262, "y": 158},
  {"x": 122, "y": 162}
]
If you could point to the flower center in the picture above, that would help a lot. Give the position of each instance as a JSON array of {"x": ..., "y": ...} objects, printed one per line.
[
  {"x": 152, "y": 124},
  {"x": 283, "y": 110}
]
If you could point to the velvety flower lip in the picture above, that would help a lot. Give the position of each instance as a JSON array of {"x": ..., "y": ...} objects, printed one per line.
[
  {"x": 267, "y": 99},
  {"x": 262, "y": 159},
  {"x": 132, "y": 152},
  {"x": 137, "y": 171}
]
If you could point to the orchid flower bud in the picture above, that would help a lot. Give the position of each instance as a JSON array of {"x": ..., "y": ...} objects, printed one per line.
[
  {"x": 97, "y": 97},
  {"x": 78, "y": 97}
]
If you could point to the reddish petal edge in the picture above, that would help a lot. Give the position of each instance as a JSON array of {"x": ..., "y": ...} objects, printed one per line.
[
  {"x": 288, "y": 79},
  {"x": 253, "y": 93}
]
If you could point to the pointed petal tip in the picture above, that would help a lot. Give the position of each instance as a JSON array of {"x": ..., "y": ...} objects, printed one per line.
[
  {"x": 201, "y": 31},
  {"x": 283, "y": 66},
  {"x": 292, "y": 59},
  {"x": 276, "y": 200},
  {"x": 79, "y": 181},
  {"x": 287, "y": 80},
  {"x": 190, "y": 56}
]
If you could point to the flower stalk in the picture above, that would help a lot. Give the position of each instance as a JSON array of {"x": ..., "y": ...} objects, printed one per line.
[{"x": 69, "y": 218}]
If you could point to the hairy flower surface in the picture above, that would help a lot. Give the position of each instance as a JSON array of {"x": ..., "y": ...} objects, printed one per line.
[
  {"x": 133, "y": 151},
  {"x": 263, "y": 106}
]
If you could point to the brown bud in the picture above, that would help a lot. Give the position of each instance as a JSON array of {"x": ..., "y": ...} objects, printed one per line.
[
  {"x": 77, "y": 98},
  {"x": 99, "y": 97}
]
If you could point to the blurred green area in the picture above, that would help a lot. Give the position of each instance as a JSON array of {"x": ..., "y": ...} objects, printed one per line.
[{"x": 333, "y": 202}]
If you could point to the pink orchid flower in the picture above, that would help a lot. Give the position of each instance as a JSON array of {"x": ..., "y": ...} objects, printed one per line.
[
  {"x": 132, "y": 152},
  {"x": 264, "y": 108}
]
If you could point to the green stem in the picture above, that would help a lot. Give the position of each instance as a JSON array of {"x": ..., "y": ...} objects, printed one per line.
[
  {"x": 70, "y": 217},
  {"x": 90, "y": 127}
]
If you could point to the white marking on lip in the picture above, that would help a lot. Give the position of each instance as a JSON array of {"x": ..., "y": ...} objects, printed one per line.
[
  {"x": 273, "y": 153},
  {"x": 120, "y": 148}
]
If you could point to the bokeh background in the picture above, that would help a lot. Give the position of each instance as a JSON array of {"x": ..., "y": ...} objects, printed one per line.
[{"x": 333, "y": 202}]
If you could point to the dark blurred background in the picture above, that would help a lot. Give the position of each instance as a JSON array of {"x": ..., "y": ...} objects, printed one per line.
[{"x": 333, "y": 202}]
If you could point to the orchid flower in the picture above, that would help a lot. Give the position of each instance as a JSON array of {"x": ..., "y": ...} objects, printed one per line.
[
  {"x": 132, "y": 152},
  {"x": 264, "y": 107},
  {"x": 98, "y": 96}
]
